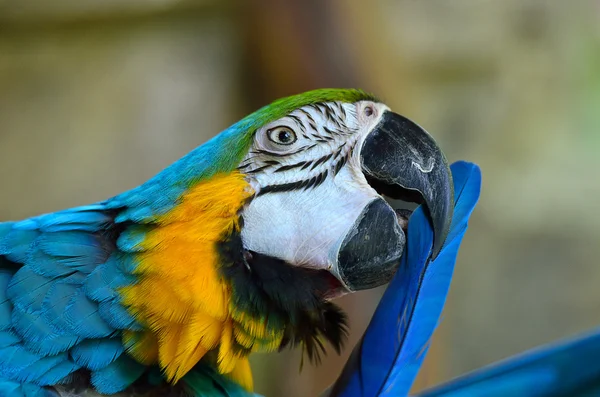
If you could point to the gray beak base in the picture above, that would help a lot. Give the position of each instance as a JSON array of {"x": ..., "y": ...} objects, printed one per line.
[{"x": 402, "y": 161}]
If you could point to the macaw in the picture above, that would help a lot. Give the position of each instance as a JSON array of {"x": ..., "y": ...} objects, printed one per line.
[{"x": 239, "y": 247}]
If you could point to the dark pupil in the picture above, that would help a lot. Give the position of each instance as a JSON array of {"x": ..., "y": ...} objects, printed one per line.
[{"x": 284, "y": 136}]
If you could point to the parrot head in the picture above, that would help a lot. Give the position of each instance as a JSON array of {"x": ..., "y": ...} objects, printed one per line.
[{"x": 321, "y": 175}]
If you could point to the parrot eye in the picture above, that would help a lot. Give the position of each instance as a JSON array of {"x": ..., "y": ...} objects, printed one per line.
[{"x": 282, "y": 135}]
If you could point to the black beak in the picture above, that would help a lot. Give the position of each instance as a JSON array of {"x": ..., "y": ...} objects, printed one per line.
[{"x": 402, "y": 161}]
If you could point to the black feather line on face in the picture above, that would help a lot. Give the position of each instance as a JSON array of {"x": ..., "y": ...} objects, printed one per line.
[
  {"x": 291, "y": 186},
  {"x": 290, "y": 166},
  {"x": 287, "y": 297}
]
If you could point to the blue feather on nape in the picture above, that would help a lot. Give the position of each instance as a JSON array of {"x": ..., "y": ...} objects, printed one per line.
[
  {"x": 388, "y": 357},
  {"x": 565, "y": 369}
]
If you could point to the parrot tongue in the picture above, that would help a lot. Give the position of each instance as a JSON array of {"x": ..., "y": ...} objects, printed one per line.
[
  {"x": 403, "y": 215},
  {"x": 402, "y": 208}
]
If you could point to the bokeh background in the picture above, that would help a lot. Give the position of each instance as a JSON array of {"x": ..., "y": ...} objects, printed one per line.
[{"x": 98, "y": 96}]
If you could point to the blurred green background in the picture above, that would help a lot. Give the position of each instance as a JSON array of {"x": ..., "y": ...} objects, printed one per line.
[{"x": 98, "y": 96}]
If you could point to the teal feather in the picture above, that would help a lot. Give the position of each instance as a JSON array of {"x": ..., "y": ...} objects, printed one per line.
[
  {"x": 90, "y": 218},
  {"x": 17, "y": 244},
  {"x": 96, "y": 354},
  {"x": 59, "y": 374},
  {"x": 5, "y": 229},
  {"x": 11, "y": 389},
  {"x": 5, "y": 304},
  {"x": 118, "y": 375},
  {"x": 117, "y": 317},
  {"x": 203, "y": 381},
  {"x": 82, "y": 316},
  {"x": 47, "y": 265},
  {"x": 103, "y": 282},
  {"x": 138, "y": 214},
  {"x": 39, "y": 336},
  {"x": 128, "y": 264},
  {"x": 15, "y": 359},
  {"x": 55, "y": 305},
  {"x": 131, "y": 239},
  {"x": 28, "y": 289},
  {"x": 38, "y": 369},
  {"x": 8, "y": 338},
  {"x": 390, "y": 353},
  {"x": 30, "y": 224},
  {"x": 15, "y": 389},
  {"x": 72, "y": 244}
]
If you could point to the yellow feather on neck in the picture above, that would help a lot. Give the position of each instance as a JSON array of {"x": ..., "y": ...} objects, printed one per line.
[{"x": 180, "y": 296}]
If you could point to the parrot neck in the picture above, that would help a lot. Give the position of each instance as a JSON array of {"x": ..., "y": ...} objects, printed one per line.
[
  {"x": 200, "y": 296},
  {"x": 285, "y": 304}
]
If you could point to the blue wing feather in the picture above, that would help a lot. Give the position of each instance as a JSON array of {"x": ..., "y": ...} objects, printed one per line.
[
  {"x": 388, "y": 357},
  {"x": 96, "y": 354},
  {"x": 117, "y": 375},
  {"x": 59, "y": 310},
  {"x": 8, "y": 338},
  {"x": 82, "y": 316}
]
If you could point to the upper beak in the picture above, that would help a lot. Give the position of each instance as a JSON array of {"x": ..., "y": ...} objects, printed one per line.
[
  {"x": 402, "y": 161},
  {"x": 400, "y": 157}
]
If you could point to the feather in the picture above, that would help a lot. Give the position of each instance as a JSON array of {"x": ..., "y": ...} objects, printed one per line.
[
  {"x": 565, "y": 368},
  {"x": 132, "y": 238},
  {"x": 36, "y": 370},
  {"x": 72, "y": 244},
  {"x": 102, "y": 283},
  {"x": 82, "y": 316},
  {"x": 10, "y": 389},
  {"x": 89, "y": 218},
  {"x": 8, "y": 338},
  {"x": 5, "y": 305},
  {"x": 5, "y": 229},
  {"x": 59, "y": 374},
  {"x": 204, "y": 381},
  {"x": 15, "y": 359},
  {"x": 95, "y": 354},
  {"x": 47, "y": 265},
  {"x": 388, "y": 357},
  {"x": 39, "y": 336},
  {"x": 117, "y": 316},
  {"x": 27, "y": 289},
  {"x": 17, "y": 243},
  {"x": 118, "y": 375}
]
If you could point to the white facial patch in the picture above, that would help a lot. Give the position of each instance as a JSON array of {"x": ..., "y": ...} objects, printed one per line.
[
  {"x": 305, "y": 168},
  {"x": 305, "y": 227}
]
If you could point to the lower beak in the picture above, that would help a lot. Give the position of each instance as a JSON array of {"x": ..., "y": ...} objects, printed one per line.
[{"x": 402, "y": 161}]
